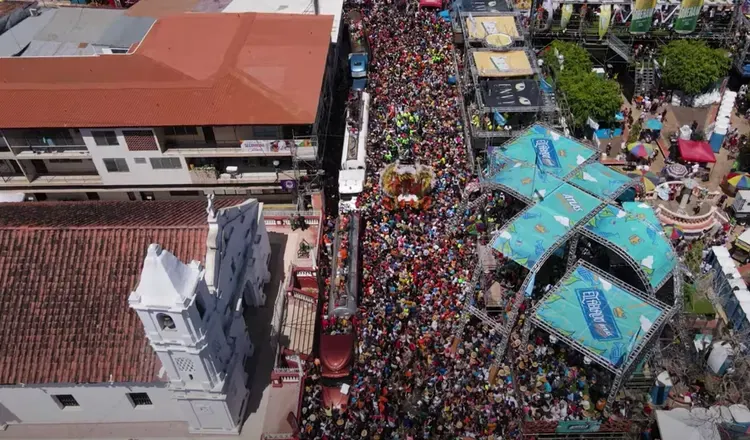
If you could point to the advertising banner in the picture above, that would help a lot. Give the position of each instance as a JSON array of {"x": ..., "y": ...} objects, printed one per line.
[
  {"x": 567, "y": 12},
  {"x": 273, "y": 146},
  {"x": 577, "y": 426},
  {"x": 687, "y": 17},
  {"x": 643, "y": 13},
  {"x": 605, "y": 16}
]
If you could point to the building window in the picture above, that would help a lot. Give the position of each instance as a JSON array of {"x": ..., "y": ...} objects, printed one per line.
[
  {"x": 180, "y": 130},
  {"x": 139, "y": 399},
  {"x": 165, "y": 322},
  {"x": 166, "y": 163},
  {"x": 140, "y": 160},
  {"x": 131, "y": 196},
  {"x": 147, "y": 196},
  {"x": 116, "y": 165},
  {"x": 105, "y": 138},
  {"x": 65, "y": 400}
]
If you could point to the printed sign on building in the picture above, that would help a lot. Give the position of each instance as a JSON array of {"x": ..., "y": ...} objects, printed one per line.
[{"x": 598, "y": 315}]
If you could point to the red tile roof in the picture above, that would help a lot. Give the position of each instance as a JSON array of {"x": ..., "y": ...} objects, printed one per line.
[
  {"x": 190, "y": 69},
  {"x": 66, "y": 271}
]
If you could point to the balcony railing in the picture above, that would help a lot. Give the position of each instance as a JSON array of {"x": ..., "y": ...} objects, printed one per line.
[
  {"x": 34, "y": 143},
  {"x": 210, "y": 175},
  {"x": 304, "y": 148}
]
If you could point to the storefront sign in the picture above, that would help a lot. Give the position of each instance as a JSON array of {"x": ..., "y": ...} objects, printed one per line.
[
  {"x": 605, "y": 16},
  {"x": 643, "y": 13},
  {"x": 577, "y": 426},
  {"x": 687, "y": 17}
]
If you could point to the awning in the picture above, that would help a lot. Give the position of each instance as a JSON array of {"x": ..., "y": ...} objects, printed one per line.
[
  {"x": 336, "y": 353},
  {"x": 696, "y": 151}
]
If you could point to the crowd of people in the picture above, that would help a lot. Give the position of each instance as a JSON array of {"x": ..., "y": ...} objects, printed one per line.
[{"x": 415, "y": 373}]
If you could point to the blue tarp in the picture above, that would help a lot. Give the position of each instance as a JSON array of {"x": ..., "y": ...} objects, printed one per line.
[
  {"x": 607, "y": 133},
  {"x": 600, "y": 315}
]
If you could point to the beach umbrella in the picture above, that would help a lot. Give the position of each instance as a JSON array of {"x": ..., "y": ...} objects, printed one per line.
[
  {"x": 653, "y": 124},
  {"x": 676, "y": 170},
  {"x": 646, "y": 179},
  {"x": 739, "y": 180},
  {"x": 673, "y": 232},
  {"x": 639, "y": 149}
]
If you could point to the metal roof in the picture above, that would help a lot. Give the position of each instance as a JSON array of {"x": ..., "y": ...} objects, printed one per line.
[
  {"x": 78, "y": 25},
  {"x": 125, "y": 31}
]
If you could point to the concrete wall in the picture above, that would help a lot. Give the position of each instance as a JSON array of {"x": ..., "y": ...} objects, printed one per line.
[
  {"x": 98, "y": 404},
  {"x": 140, "y": 173}
]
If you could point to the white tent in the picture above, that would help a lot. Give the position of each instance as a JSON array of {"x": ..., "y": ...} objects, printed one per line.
[{"x": 681, "y": 424}]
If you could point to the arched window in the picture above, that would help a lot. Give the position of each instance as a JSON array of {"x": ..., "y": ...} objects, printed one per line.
[{"x": 165, "y": 322}]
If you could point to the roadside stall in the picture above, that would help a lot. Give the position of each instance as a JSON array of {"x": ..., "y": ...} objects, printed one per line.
[{"x": 697, "y": 152}]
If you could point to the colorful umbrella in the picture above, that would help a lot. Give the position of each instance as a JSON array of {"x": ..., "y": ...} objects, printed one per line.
[
  {"x": 673, "y": 232},
  {"x": 739, "y": 180},
  {"x": 639, "y": 149},
  {"x": 676, "y": 170},
  {"x": 648, "y": 179}
]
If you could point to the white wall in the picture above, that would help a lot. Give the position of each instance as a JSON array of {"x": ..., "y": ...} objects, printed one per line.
[
  {"x": 139, "y": 174},
  {"x": 98, "y": 404}
]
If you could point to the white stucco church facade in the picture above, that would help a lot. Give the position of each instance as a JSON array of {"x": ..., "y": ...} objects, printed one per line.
[{"x": 184, "y": 357}]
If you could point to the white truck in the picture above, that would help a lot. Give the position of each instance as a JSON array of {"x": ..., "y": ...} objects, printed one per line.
[{"x": 354, "y": 153}]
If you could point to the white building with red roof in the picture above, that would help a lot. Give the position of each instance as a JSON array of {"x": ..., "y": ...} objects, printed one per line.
[{"x": 129, "y": 312}]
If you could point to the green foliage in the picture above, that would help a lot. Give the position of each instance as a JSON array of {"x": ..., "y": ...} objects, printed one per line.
[
  {"x": 692, "y": 66},
  {"x": 590, "y": 95},
  {"x": 694, "y": 257},
  {"x": 587, "y": 94},
  {"x": 635, "y": 132},
  {"x": 575, "y": 58}
]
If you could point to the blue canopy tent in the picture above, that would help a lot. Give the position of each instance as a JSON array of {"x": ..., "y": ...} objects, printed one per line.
[{"x": 600, "y": 314}]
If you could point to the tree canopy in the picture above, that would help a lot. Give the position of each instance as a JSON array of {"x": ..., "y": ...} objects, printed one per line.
[
  {"x": 692, "y": 66},
  {"x": 587, "y": 94},
  {"x": 575, "y": 58}
]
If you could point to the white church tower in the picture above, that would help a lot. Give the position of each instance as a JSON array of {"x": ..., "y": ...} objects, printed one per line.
[{"x": 195, "y": 324}]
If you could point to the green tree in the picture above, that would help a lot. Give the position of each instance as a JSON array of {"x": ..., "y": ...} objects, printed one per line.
[
  {"x": 589, "y": 95},
  {"x": 575, "y": 58},
  {"x": 692, "y": 66}
]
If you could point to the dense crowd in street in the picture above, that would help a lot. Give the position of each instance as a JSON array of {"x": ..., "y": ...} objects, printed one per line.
[{"x": 416, "y": 375}]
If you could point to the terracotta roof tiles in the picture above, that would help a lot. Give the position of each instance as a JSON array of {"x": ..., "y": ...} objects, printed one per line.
[
  {"x": 190, "y": 69},
  {"x": 66, "y": 271}
]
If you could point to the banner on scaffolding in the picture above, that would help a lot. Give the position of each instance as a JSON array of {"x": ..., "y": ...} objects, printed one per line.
[
  {"x": 605, "y": 16},
  {"x": 567, "y": 12},
  {"x": 643, "y": 13},
  {"x": 687, "y": 17}
]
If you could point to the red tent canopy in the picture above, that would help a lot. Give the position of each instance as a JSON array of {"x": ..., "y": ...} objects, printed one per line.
[
  {"x": 696, "y": 151},
  {"x": 431, "y": 3}
]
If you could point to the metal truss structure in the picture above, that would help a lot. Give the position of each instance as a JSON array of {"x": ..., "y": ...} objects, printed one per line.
[{"x": 634, "y": 358}]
